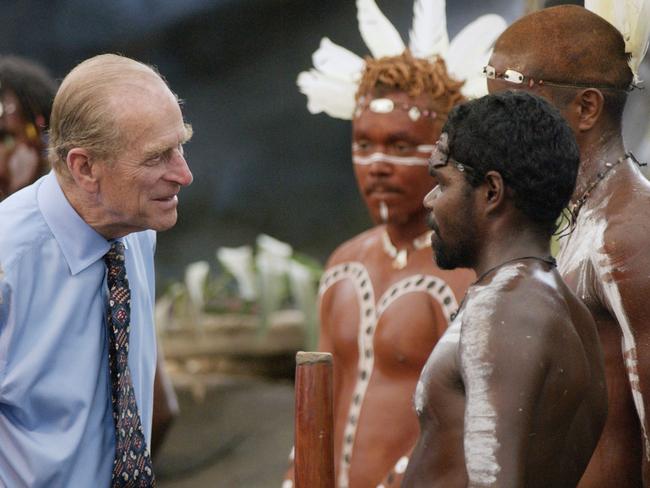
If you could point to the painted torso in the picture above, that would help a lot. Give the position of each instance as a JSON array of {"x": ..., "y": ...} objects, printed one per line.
[
  {"x": 383, "y": 324},
  {"x": 593, "y": 265},
  {"x": 463, "y": 405}
]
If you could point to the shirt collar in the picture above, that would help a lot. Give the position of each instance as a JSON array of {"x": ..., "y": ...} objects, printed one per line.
[{"x": 80, "y": 244}]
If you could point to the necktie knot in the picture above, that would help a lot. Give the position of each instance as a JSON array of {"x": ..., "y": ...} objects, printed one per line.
[{"x": 115, "y": 255}]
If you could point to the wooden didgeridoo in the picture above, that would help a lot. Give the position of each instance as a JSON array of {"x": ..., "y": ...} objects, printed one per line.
[{"x": 314, "y": 424}]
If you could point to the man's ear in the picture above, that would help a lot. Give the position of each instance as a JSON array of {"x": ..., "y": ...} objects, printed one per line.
[
  {"x": 82, "y": 169},
  {"x": 586, "y": 109},
  {"x": 494, "y": 191}
]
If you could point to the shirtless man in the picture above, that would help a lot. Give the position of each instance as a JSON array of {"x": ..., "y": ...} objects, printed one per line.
[
  {"x": 514, "y": 393},
  {"x": 578, "y": 61},
  {"x": 384, "y": 304}
]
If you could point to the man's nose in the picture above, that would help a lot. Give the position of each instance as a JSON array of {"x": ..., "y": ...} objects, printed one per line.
[
  {"x": 381, "y": 167},
  {"x": 180, "y": 171},
  {"x": 430, "y": 197}
]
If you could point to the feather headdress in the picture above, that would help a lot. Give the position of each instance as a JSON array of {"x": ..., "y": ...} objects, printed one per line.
[
  {"x": 632, "y": 19},
  {"x": 332, "y": 83}
]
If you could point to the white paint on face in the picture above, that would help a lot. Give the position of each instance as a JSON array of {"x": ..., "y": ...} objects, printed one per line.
[
  {"x": 400, "y": 466},
  {"x": 287, "y": 484},
  {"x": 481, "y": 443},
  {"x": 379, "y": 157},
  {"x": 383, "y": 211}
]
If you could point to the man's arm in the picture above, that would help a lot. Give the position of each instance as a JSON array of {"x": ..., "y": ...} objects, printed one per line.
[
  {"x": 624, "y": 280},
  {"x": 503, "y": 360}
]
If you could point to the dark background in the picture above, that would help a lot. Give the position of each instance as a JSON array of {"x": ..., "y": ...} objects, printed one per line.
[{"x": 261, "y": 162}]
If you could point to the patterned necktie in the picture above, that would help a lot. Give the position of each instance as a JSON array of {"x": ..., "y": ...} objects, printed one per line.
[{"x": 132, "y": 464}]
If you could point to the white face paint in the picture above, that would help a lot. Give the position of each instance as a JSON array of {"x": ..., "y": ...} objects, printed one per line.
[
  {"x": 481, "y": 443},
  {"x": 383, "y": 211},
  {"x": 379, "y": 157}
]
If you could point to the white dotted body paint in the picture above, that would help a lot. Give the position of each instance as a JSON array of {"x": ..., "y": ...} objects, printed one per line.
[
  {"x": 586, "y": 246},
  {"x": 369, "y": 314},
  {"x": 379, "y": 157},
  {"x": 481, "y": 443}
]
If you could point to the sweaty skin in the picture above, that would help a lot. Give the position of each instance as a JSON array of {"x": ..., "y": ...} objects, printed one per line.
[
  {"x": 605, "y": 259},
  {"x": 520, "y": 329},
  {"x": 379, "y": 322}
]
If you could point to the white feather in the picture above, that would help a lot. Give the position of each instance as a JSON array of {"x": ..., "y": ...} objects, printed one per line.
[
  {"x": 327, "y": 94},
  {"x": 337, "y": 62},
  {"x": 428, "y": 35},
  {"x": 632, "y": 19},
  {"x": 470, "y": 51},
  {"x": 378, "y": 33}
]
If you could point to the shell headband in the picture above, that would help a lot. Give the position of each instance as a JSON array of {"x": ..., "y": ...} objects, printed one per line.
[{"x": 332, "y": 83}]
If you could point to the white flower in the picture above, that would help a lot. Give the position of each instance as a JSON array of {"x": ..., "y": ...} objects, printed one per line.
[
  {"x": 238, "y": 261},
  {"x": 195, "y": 276}
]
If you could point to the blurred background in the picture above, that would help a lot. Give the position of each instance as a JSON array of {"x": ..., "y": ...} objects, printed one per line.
[{"x": 261, "y": 163}]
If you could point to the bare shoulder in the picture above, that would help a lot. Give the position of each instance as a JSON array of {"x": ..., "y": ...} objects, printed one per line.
[
  {"x": 354, "y": 249},
  {"x": 521, "y": 302}
]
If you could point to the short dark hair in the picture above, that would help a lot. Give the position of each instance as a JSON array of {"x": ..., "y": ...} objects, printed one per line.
[{"x": 526, "y": 140}]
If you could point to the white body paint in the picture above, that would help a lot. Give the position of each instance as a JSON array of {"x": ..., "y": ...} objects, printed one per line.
[
  {"x": 369, "y": 314},
  {"x": 583, "y": 247},
  {"x": 481, "y": 443}
]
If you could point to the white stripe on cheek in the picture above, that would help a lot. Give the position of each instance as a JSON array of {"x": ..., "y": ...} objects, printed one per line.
[{"x": 387, "y": 158}]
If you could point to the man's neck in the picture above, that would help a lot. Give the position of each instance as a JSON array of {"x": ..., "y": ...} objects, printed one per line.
[
  {"x": 403, "y": 234},
  {"x": 595, "y": 153},
  {"x": 509, "y": 244}
]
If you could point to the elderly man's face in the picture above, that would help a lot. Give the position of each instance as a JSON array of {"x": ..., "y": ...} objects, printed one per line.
[{"x": 139, "y": 189}]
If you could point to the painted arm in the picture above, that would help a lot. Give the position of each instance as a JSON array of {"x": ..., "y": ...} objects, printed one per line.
[
  {"x": 624, "y": 269},
  {"x": 503, "y": 366}
]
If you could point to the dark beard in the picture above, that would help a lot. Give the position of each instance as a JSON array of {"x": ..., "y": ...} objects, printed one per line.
[
  {"x": 460, "y": 254},
  {"x": 451, "y": 257}
]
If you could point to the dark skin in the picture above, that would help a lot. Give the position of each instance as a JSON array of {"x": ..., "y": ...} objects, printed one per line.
[
  {"x": 514, "y": 394},
  {"x": 407, "y": 331},
  {"x": 21, "y": 150},
  {"x": 604, "y": 260}
]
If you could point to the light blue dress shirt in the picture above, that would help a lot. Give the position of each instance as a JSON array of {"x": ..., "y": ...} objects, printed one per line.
[{"x": 56, "y": 425}]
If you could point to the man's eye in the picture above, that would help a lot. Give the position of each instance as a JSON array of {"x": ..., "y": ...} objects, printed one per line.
[
  {"x": 362, "y": 145},
  {"x": 403, "y": 147}
]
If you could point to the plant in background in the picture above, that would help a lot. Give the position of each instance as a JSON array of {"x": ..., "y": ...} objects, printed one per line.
[{"x": 258, "y": 281}]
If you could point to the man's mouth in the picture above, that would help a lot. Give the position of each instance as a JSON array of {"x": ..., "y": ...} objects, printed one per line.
[{"x": 382, "y": 189}]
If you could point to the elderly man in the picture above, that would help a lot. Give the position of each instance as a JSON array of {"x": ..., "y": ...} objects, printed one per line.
[
  {"x": 514, "y": 393},
  {"x": 582, "y": 64},
  {"x": 77, "y": 342}
]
